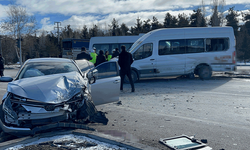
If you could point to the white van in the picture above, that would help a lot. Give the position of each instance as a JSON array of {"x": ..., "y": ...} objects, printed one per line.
[
  {"x": 109, "y": 43},
  {"x": 184, "y": 51}
]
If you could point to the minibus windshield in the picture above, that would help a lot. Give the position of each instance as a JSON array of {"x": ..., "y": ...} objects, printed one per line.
[{"x": 135, "y": 45}]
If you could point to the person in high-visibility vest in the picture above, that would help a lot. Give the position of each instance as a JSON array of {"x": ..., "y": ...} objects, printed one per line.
[
  {"x": 93, "y": 55},
  {"x": 107, "y": 56}
]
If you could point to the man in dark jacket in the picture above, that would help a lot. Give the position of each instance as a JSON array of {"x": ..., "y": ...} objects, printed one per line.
[
  {"x": 115, "y": 53},
  {"x": 83, "y": 55},
  {"x": 1, "y": 65},
  {"x": 100, "y": 58},
  {"x": 125, "y": 61}
]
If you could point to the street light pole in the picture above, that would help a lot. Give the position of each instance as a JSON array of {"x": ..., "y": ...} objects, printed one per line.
[{"x": 20, "y": 59}]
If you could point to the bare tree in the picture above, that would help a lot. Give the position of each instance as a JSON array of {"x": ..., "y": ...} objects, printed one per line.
[
  {"x": 217, "y": 17},
  {"x": 203, "y": 8},
  {"x": 17, "y": 23}
]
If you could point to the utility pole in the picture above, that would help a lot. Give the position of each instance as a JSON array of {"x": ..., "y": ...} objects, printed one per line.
[{"x": 57, "y": 23}]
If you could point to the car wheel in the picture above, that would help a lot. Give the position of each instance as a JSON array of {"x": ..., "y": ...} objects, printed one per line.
[
  {"x": 133, "y": 75},
  {"x": 1, "y": 115},
  {"x": 205, "y": 72}
]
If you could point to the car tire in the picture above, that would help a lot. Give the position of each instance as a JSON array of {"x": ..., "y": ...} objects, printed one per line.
[
  {"x": 133, "y": 75},
  {"x": 1, "y": 115},
  {"x": 205, "y": 72}
]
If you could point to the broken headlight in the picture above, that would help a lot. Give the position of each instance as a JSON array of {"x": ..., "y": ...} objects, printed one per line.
[{"x": 7, "y": 108}]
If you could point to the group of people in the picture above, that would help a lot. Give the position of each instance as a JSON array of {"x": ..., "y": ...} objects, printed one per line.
[
  {"x": 97, "y": 59},
  {"x": 124, "y": 60}
]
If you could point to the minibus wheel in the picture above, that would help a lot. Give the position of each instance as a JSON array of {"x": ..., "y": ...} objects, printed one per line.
[
  {"x": 133, "y": 75},
  {"x": 205, "y": 72}
]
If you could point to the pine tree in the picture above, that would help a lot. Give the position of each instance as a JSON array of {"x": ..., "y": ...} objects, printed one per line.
[
  {"x": 155, "y": 24},
  {"x": 217, "y": 15},
  {"x": 232, "y": 20},
  {"x": 138, "y": 26},
  {"x": 114, "y": 27},
  {"x": 124, "y": 29},
  {"x": 146, "y": 27},
  {"x": 167, "y": 20},
  {"x": 84, "y": 33},
  {"x": 183, "y": 20},
  {"x": 246, "y": 18},
  {"x": 197, "y": 19}
]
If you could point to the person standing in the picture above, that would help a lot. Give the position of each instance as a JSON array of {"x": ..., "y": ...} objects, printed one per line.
[
  {"x": 125, "y": 60},
  {"x": 100, "y": 58},
  {"x": 115, "y": 53},
  {"x": 107, "y": 56},
  {"x": 1, "y": 65},
  {"x": 83, "y": 55},
  {"x": 93, "y": 55}
]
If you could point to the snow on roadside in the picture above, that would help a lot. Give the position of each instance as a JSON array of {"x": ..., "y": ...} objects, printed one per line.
[{"x": 75, "y": 138}]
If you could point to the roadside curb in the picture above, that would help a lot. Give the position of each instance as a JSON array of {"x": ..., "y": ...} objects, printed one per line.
[{"x": 90, "y": 134}]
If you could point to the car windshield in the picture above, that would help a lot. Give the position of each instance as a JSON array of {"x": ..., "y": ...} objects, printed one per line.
[{"x": 35, "y": 69}]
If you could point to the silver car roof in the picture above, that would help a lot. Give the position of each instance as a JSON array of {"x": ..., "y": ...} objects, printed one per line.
[{"x": 49, "y": 60}]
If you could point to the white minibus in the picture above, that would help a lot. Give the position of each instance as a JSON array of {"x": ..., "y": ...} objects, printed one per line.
[
  {"x": 109, "y": 43},
  {"x": 184, "y": 51}
]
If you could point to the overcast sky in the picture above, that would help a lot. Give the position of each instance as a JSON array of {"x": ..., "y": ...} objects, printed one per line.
[{"x": 77, "y": 13}]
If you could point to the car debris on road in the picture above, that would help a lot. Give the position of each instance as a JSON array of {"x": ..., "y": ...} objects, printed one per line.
[{"x": 184, "y": 142}]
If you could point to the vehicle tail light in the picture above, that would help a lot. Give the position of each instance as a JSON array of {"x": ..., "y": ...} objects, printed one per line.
[{"x": 234, "y": 57}]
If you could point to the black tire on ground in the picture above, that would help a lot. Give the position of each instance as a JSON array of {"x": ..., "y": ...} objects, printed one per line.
[
  {"x": 99, "y": 117},
  {"x": 205, "y": 72},
  {"x": 133, "y": 75}
]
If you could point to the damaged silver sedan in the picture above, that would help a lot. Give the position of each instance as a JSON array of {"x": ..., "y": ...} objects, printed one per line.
[{"x": 53, "y": 91}]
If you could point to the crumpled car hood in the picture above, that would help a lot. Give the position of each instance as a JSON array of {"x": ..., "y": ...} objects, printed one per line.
[{"x": 49, "y": 89}]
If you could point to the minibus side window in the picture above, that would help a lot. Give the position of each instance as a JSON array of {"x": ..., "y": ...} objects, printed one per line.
[
  {"x": 104, "y": 47},
  {"x": 217, "y": 44},
  {"x": 144, "y": 51},
  {"x": 195, "y": 46},
  {"x": 169, "y": 47},
  {"x": 113, "y": 46}
]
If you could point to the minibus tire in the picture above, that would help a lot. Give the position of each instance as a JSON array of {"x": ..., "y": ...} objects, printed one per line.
[
  {"x": 205, "y": 72},
  {"x": 133, "y": 75}
]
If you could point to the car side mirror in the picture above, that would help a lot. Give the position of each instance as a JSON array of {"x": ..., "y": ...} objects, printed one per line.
[
  {"x": 6, "y": 79},
  {"x": 92, "y": 80},
  {"x": 91, "y": 75}
]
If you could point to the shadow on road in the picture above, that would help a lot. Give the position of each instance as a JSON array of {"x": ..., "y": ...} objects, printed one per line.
[{"x": 178, "y": 84}]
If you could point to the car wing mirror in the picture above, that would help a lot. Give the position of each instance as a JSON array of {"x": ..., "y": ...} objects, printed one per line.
[
  {"x": 91, "y": 75},
  {"x": 6, "y": 79}
]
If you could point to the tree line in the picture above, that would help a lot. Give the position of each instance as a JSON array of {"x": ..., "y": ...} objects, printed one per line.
[{"x": 47, "y": 44}]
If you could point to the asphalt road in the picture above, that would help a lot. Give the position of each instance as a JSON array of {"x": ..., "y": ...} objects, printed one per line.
[{"x": 217, "y": 110}]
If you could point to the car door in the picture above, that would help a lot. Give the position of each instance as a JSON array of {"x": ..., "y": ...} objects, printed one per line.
[
  {"x": 144, "y": 60},
  {"x": 171, "y": 58},
  {"x": 106, "y": 88}
]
